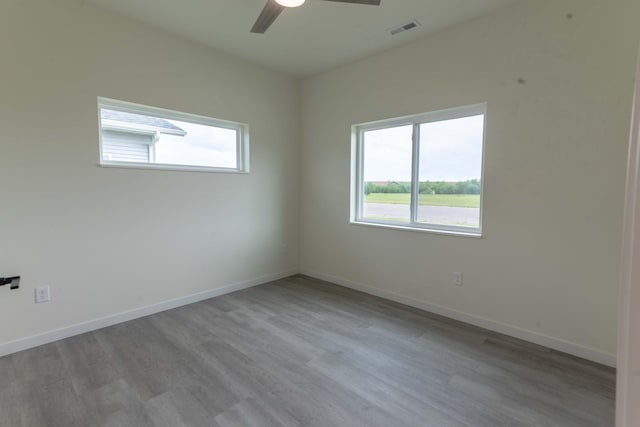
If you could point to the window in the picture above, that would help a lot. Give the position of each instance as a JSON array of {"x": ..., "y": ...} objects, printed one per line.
[
  {"x": 421, "y": 172},
  {"x": 134, "y": 135}
]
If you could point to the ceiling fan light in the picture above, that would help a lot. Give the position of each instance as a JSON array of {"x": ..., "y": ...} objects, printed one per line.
[{"x": 290, "y": 3}]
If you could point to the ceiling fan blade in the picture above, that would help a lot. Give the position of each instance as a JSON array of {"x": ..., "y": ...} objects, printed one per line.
[
  {"x": 269, "y": 14},
  {"x": 369, "y": 2}
]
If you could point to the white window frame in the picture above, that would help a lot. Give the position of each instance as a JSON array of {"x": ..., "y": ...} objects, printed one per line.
[
  {"x": 242, "y": 139},
  {"x": 357, "y": 169}
]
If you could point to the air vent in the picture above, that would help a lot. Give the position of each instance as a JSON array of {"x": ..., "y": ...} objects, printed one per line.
[{"x": 404, "y": 27}]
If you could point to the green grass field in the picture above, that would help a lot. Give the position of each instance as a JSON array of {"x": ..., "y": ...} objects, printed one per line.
[{"x": 454, "y": 200}]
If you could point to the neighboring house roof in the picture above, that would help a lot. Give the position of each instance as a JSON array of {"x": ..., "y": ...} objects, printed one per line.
[{"x": 119, "y": 120}]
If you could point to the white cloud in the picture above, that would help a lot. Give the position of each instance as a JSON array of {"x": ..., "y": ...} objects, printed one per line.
[
  {"x": 202, "y": 146},
  {"x": 450, "y": 150}
]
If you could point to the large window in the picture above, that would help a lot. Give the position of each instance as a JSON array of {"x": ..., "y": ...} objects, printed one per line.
[
  {"x": 422, "y": 172},
  {"x": 140, "y": 136}
]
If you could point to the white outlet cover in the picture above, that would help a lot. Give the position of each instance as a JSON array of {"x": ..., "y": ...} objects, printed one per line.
[
  {"x": 43, "y": 294},
  {"x": 457, "y": 278}
]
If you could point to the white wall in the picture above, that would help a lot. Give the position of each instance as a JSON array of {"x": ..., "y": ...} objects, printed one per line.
[
  {"x": 547, "y": 267},
  {"x": 628, "y": 384},
  {"x": 548, "y": 263},
  {"x": 67, "y": 223}
]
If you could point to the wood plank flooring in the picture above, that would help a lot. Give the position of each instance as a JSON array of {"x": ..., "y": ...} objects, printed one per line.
[{"x": 300, "y": 352}]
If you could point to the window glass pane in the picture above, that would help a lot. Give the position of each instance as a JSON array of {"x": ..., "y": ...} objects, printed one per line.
[
  {"x": 158, "y": 139},
  {"x": 201, "y": 146},
  {"x": 387, "y": 174},
  {"x": 450, "y": 171}
]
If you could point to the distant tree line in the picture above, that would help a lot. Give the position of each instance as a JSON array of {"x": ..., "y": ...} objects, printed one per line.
[{"x": 471, "y": 186}]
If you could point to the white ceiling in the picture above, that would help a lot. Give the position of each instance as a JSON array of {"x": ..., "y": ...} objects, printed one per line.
[{"x": 306, "y": 40}]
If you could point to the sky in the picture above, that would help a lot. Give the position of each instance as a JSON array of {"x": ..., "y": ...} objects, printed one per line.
[
  {"x": 450, "y": 150},
  {"x": 202, "y": 146}
]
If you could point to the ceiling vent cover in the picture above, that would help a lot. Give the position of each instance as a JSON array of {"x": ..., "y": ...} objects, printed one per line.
[{"x": 404, "y": 27}]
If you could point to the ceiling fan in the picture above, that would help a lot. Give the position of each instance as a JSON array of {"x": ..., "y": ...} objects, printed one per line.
[{"x": 274, "y": 8}]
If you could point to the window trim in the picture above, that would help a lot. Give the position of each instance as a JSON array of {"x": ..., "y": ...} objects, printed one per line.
[
  {"x": 357, "y": 170},
  {"x": 242, "y": 137}
]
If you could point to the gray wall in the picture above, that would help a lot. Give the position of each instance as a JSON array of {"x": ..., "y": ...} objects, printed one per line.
[
  {"x": 109, "y": 240},
  {"x": 559, "y": 91}
]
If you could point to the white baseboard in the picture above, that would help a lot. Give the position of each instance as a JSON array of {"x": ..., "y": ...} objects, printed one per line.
[
  {"x": 503, "y": 328},
  {"x": 514, "y": 331},
  {"x": 92, "y": 325}
]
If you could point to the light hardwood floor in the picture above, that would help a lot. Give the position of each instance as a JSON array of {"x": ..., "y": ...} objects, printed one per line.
[{"x": 300, "y": 352}]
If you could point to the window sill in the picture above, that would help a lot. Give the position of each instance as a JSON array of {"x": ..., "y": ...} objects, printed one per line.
[
  {"x": 456, "y": 233},
  {"x": 159, "y": 166}
]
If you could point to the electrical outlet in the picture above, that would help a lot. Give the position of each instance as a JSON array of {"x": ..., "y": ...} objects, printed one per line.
[
  {"x": 457, "y": 278},
  {"x": 43, "y": 294}
]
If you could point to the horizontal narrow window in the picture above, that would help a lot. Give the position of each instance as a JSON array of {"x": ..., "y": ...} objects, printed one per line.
[
  {"x": 422, "y": 172},
  {"x": 133, "y": 135}
]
